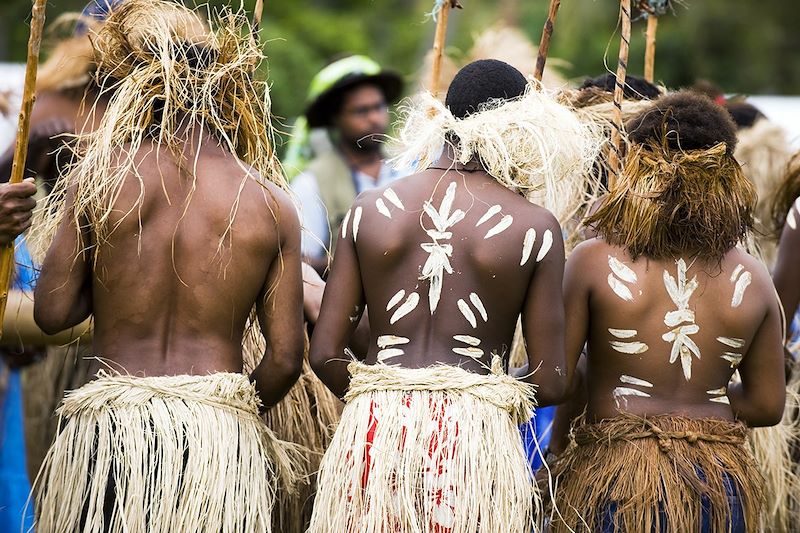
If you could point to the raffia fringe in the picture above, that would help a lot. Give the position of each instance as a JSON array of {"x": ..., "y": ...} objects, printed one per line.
[
  {"x": 651, "y": 469},
  {"x": 774, "y": 448},
  {"x": 438, "y": 432},
  {"x": 185, "y": 453}
]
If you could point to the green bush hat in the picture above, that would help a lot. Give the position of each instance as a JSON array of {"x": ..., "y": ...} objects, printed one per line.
[{"x": 328, "y": 85}]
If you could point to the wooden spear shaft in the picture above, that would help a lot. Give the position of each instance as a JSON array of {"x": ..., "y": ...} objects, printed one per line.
[
  {"x": 650, "y": 51},
  {"x": 21, "y": 148},
  {"x": 615, "y": 159},
  {"x": 438, "y": 46},
  {"x": 544, "y": 44},
  {"x": 257, "y": 13}
]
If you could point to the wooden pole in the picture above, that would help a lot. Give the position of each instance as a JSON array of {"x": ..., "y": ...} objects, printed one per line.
[
  {"x": 439, "y": 41},
  {"x": 544, "y": 44},
  {"x": 23, "y": 130},
  {"x": 615, "y": 159},
  {"x": 257, "y": 14},
  {"x": 650, "y": 52}
]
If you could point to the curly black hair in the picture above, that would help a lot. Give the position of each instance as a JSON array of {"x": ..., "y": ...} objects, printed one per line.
[
  {"x": 636, "y": 88},
  {"x": 685, "y": 121},
  {"x": 483, "y": 81}
]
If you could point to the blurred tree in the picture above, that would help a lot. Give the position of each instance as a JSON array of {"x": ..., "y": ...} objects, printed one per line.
[{"x": 747, "y": 47}]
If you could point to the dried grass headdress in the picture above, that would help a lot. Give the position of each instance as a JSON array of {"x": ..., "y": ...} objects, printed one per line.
[
  {"x": 669, "y": 203},
  {"x": 163, "y": 68},
  {"x": 532, "y": 145}
]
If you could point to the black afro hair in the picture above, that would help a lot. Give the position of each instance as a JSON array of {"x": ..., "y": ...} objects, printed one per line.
[
  {"x": 744, "y": 114},
  {"x": 483, "y": 81},
  {"x": 687, "y": 121},
  {"x": 636, "y": 88}
]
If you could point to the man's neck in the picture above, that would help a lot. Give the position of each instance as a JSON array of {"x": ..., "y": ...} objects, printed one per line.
[{"x": 368, "y": 162}]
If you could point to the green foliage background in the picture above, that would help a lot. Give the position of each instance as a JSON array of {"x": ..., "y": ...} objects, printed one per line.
[{"x": 745, "y": 46}]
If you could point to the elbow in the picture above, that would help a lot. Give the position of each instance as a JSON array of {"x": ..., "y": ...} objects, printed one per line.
[
  {"x": 290, "y": 366},
  {"x": 767, "y": 413},
  {"x": 48, "y": 319},
  {"x": 552, "y": 392},
  {"x": 318, "y": 360}
]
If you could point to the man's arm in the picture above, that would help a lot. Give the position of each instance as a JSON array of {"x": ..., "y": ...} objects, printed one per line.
[
  {"x": 280, "y": 313},
  {"x": 543, "y": 322},
  {"x": 786, "y": 274},
  {"x": 16, "y": 209},
  {"x": 576, "y": 305},
  {"x": 760, "y": 398},
  {"x": 63, "y": 294},
  {"x": 342, "y": 308}
]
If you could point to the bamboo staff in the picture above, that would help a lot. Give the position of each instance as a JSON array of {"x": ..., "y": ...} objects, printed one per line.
[
  {"x": 257, "y": 13},
  {"x": 615, "y": 159},
  {"x": 23, "y": 130},
  {"x": 650, "y": 51},
  {"x": 544, "y": 44},
  {"x": 441, "y": 13}
]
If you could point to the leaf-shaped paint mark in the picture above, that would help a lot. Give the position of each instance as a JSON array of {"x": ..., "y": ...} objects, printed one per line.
[
  {"x": 527, "y": 246},
  {"x": 791, "y": 219},
  {"x": 733, "y": 342},
  {"x": 721, "y": 399},
  {"x": 547, "y": 243},
  {"x": 631, "y": 348},
  {"x": 674, "y": 318},
  {"x": 447, "y": 201},
  {"x": 619, "y": 289},
  {"x": 388, "y": 353},
  {"x": 476, "y": 301},
  {"x": 457, "y": 216},
  {"x": 492, "y": 211},
  {"x": 735, "y": 359},
  {"x": 623, "y": 333},
  {"x": 344, "y": 224},
  {"x": 467, "y": 312},
  {"x": 475, "y": 353},
  {"x": 394, "y": 300},
  {"x": 384, "y": 341},
  {"x": 356, "y": 222},
  {"x": 741, "y": 285},
  {"x": 717, "y": 392},
  {"x": 409, "y": 305},
  {"x": 437, "y": 235},
  {"x": 500, "y": 227},
  {"x": 382, "y": 209},
  {"x": 627, "y": 391},
  {"x": 621, "y": 270},
  {"x": 467, "y": 339},
  {"x": 630, "y": 380},
  {"x": 736, "y": 272},
  {"x": 393, "y": 198}
]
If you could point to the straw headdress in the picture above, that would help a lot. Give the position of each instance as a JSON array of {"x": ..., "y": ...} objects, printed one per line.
[{"x": 163, "y": 69}]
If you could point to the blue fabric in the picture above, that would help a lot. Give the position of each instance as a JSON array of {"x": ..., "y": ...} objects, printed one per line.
[
  {"x": 98, "y": 10},
  {"x": 14, "y": 483},
  {"x": 537, "y": 429},
  {"x": 736, "y": 524}
]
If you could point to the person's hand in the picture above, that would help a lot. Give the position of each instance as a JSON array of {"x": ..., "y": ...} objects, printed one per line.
[{"x": 16, "y": 209}]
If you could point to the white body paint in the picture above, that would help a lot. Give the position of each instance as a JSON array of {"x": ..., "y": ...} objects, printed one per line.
[
  {"x": 388, "y": 353},
  {"x": 527, "y": 246},
  {"x": 344, "y": 224},
  {"x": 619, "y": 288},
  {"x": 476, "y": 301},
  {"x": 627, "y": 391},
  {"x": 394, "y": 300},
  {"x": 631, "y": 348},
  {"x": 467, "y": 339},
  {"x": 741, "y": 285},
  {"x": 467, "y": 312},
  {"x": 547, "y": 243},
  {"x": 393, "y": 198},
  {"x": 384, "y": 341},
  {"x": 621, "y": 270},
  {"x": 500, "y": 227},
  {"x": 630, "y": 380},
  {"x": 720, "y": 395},
  {"x": 382, "y": 209},
  {"x": 409, "y": 305},
  {"x": 733, "y": 342},
  {"x": 623, "y": 333},
  {"x": 492, "y": 211},
  {"x": 356, "y": 222},
  {"x": 474, "y": 353},
  {"x": 681, "y": 320},
  {"x": 735, "y": 359},
  {"x": 791, "y": 220}
]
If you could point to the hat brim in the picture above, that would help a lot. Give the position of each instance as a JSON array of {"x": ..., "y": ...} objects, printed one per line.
[{"x": 319, "y": 113}]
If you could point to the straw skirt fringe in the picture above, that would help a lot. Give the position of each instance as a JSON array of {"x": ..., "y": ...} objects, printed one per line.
[
  {"x": 169, "y": 453},
  {"x": 431, "y": 450},
  {"x": 653, "y": 470}
]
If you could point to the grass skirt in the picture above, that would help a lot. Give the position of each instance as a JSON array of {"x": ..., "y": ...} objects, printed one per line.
[
  {"x": 431, "y": 450},
  {"x": 658, "y": 472},
  {"x": 170, "y": 453}
]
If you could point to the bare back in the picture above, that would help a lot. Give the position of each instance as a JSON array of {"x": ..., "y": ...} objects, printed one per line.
[
  {"x": 172, "y": 288},
  {"x": 446, "y": 262},
  {"x": 665, "y": 337}
]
